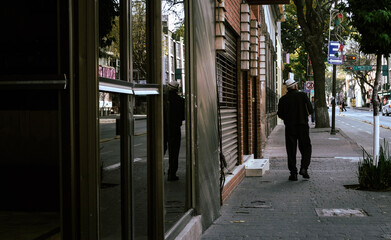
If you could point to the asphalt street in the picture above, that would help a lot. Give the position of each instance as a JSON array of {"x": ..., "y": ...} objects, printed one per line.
[{"x": 358, "y": 125}]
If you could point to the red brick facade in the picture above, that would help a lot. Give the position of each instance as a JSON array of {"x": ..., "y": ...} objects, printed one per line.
[
  {"x": 232, "y": 14},
  {"x": 232, "y": 183},
  {"x": 252, "y": 120},
  {"x": 241, "y": 99}
]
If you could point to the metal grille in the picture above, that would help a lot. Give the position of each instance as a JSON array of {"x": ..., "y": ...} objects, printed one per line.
[
  {"x": 227, "y": 85},
  {"x": 271, "y": 101}
]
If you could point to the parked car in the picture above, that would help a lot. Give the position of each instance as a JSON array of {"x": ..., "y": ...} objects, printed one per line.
[{"x": 386, "y": 109}]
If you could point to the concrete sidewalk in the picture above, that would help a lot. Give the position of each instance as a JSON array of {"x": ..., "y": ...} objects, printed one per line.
[{"x": 271, "y": 207}]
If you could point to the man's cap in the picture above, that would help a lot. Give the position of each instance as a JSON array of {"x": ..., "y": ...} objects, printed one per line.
[
  {"x": 173, "y": 84},
  {"x": 290, "y": 82}
]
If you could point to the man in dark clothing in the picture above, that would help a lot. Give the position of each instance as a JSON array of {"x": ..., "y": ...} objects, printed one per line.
[
  {"x": 294, "y": 108},
  {"x": 174, "y": 114},
  {"x": 343, "y": 106}
]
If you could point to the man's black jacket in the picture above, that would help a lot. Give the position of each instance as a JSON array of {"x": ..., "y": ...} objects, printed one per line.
[{"x": 294, "y": 108}]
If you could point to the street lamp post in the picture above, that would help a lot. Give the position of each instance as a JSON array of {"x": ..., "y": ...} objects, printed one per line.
[{"x": 332, "y": 132}]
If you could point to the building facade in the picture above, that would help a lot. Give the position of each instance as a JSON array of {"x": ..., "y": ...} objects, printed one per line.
[
  {"x": 86, "y": 175},
  {"x": 249, "y": 76}
]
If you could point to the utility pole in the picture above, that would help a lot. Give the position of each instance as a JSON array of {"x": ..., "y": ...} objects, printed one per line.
[
  {"x": 332, "y": 132},
  {"x": 333, "y": 101},
  {"x": 388, "y": 72}
]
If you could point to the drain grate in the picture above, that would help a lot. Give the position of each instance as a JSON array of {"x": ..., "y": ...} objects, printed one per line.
[{"x": 340, "y": 212}]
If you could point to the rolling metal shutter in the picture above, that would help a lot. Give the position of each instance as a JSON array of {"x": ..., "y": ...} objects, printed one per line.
[{"x": 227, "y": 87}]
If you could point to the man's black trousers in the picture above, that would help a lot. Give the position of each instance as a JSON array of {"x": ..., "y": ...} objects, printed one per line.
[
  {"x": 174, "y": 145},
  {"x": 298, "y": 134}
]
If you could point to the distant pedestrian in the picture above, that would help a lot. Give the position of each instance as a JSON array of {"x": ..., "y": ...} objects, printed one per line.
[
  {"x": 340, "y": 107},
  {"x": 343, "y": 106},
  {"x": 313, "y": 107},
  {"x": 294, "y": 108}
]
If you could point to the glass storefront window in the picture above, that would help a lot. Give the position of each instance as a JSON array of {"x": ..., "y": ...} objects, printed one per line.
[
  {"x": 109, "y": 121},
  {"x": 110, "y": 166},
  {"x": 175, "y": 158},
  {"x": 140, "y": 170},
  {"x": 109, "y": 39},
  {"x": 110, "y": 112},
  {"x": 140, "y": 154},
  {"x": 139, "y": 41}
]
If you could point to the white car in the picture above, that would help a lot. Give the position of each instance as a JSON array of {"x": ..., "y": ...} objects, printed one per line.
[{"x": 386, "y": 109}]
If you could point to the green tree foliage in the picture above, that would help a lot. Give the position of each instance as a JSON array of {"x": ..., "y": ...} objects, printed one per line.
[
  {"x": 298, "y": 66},
  {"x": 169, "y": 7},
  {"x": 291, "y": 35},
  {"x": 363, "y": 78},
  {"x": 372, "y": 19},
  {"x": 108, "y": 11},
  {"x": 180, "y": 31},
  {"x": 306, "y": 30},
  {"x": 291, "y": 38},
  {"x": 139, "y": 38}
]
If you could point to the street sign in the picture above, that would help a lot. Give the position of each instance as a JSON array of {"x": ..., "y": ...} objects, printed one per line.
[
  {"x": 334, "y": 49},
  {"x": 309, "y": 86},
  {"x": 384, "y": 70},
  {"x": 178, "y": 73},
  {"x": 362, "y": 68},
  {"x": 367, "y": 68}
]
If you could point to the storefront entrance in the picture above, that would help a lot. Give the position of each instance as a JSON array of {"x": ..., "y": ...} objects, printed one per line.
[{"x": 83, "y": 132}]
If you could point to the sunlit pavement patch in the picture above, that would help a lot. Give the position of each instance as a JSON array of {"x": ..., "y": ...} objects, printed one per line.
[
  {"x": 340, "y": 212},
  {"x": 333, "y": 138},
  {"x": 352, "y": 159}
]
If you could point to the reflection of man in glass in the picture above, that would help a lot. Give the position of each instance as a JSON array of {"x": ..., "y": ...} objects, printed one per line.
[{"x": 174, "y": 114}]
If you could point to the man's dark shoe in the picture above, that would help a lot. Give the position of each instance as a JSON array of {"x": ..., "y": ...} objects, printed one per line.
[
  {"x": 172, "y": 178},
  {"x": 304, "y": 173},
  {"x": 293, "y": 177}
]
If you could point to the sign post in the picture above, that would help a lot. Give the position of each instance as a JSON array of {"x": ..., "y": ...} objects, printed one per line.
[{"x": 335, "y": 57}]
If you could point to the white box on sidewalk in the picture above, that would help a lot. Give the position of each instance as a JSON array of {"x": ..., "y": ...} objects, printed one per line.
[{"x": 256, "y": 167}]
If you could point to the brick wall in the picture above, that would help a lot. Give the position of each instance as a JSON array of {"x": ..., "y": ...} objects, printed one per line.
[
  {"x": 250, "y": 118},
  {"x": 240, "y": 113},
  {"x": 232, "y": 15},
  {"x": 258, "y": 153},
  {"x": 254, "y": 11},
  {"x": 232, "y": 183}
]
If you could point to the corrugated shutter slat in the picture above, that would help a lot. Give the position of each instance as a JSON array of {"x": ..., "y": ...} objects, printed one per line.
[{"x": 228, "y": 97}]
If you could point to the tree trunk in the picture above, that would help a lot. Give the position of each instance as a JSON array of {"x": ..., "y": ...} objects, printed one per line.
[
  {"x": 312, "y": 28},
  {"x": 375, "y": 104},
  {"x": 315, "y": 51},
  {"x": 363, "y": 91},
  {"x": 321, "y": 110}
]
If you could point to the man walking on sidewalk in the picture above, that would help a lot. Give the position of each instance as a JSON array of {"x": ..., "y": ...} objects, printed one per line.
[{"x": 294, "y": 108}]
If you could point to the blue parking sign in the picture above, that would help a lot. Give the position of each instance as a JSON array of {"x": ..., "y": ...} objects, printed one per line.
[{"x": 334, "y": 47}]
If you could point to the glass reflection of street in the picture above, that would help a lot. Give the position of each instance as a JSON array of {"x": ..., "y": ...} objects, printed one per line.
[{"x": 174, "y": 191}]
